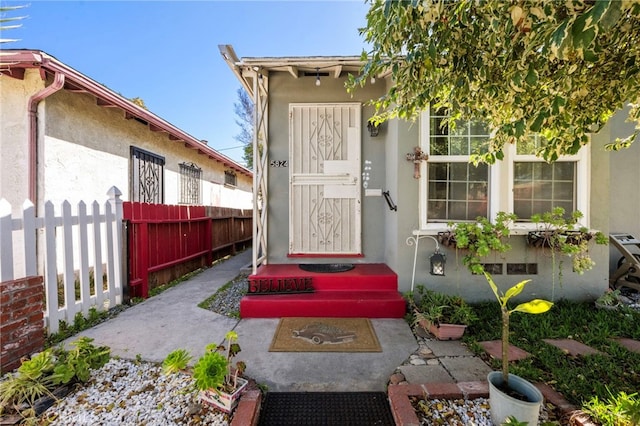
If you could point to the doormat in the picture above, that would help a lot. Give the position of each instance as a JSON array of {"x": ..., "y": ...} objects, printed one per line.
[
  {"x": 326, "y": 409},
  {"x": 325, "y": 335},
  {"x": 326, "y": 267}
]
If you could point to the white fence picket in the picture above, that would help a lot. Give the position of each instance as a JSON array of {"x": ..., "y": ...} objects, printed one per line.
[
  {"x": 97, "y": 254},
  {"x": 6, "y": 241},
  {"x": 73, "y": 237},
  {"x": 52, "y": 313},
  {"x": 83, "y": 244},
  {"x": 29, "y": 222}
]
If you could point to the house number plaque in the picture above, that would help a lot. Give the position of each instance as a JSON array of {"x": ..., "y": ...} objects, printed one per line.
[{"x": 279, "y": 163}]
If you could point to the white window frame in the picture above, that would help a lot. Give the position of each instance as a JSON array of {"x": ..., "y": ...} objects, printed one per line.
[
  {"x": 500, "y": 195},
  {"x": 582, "y": 184}
]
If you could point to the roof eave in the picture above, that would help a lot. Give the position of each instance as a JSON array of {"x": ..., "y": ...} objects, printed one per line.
[{"x": 39, "y": 59}]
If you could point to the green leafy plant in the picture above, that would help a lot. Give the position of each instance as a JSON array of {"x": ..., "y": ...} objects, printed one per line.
[
  {"x": 210, "y": 371},
  {"x": 560, "y": 232},
  {"x": 31, "y": 381},
  {"x": 536, "y": 306},
  {"x": 609, "y": 298},
  {"x": 480, "y": 238},
  {"x": 76, "y": 364},
  {"x": 40, "y": 375},
  {"x": 621, "y": 410},
  {"x": 440, "y": 308},
  {"x": 176, "y": 361},
  {"x": 215, "y": 369},
  {"x": 521, "y": 67}
]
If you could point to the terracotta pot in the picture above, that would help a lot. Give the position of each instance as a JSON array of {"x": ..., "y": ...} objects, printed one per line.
[{"x": 447, "y": 331}]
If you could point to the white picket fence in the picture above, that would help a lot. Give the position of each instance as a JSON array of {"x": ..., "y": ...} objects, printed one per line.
[{"x": 66, "y": 250}]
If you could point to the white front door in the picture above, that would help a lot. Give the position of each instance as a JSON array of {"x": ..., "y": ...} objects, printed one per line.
[{"x": 324, "y": 179}]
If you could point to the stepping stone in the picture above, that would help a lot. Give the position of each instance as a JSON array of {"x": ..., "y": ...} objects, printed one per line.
[
  {"x": 426, "y": 374},
  {"x": 466, "y": 368},
  {"x": 572, "y": 347},
  {"x": 629, "y": 344},
  {"x": 442, "y": 348},
  {"x": 494, "y": 348}
]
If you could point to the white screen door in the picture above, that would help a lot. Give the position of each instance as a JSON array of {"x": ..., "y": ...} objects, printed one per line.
[{"x": 324, "y": 179}]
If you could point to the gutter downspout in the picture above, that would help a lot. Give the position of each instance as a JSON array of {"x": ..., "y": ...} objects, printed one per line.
[{"x": 34, "y": 100}]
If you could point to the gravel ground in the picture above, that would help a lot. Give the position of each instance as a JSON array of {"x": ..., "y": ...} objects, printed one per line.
[
  {"x": 129, "y": 393},
  {"x": 137, "y": 393}
]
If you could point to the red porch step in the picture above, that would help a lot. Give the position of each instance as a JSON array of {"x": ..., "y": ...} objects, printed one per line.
[{"x": 368, "y": 291}]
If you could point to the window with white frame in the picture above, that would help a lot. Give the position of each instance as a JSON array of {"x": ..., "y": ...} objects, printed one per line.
[
  {"x": 453, "y": 189},
  {"x": 456, "y": 190},
  {"x": 539, "y": 186}
]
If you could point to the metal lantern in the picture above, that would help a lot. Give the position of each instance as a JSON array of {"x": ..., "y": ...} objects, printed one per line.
[{"x": 437, "y": 261}]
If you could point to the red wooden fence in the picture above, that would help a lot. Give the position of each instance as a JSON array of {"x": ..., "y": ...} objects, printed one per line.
[{"x": 161, "y": 237}]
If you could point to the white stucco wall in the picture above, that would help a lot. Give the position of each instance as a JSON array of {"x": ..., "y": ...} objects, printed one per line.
[
  {"x": 86, "y": 150},
  {"x": 14, "y": 139}
]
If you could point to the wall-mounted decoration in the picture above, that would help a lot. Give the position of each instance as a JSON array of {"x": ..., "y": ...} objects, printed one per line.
[
  {"x": 366, "y": 174},
  {"x": 373, "y": 128},
  {"x": 417, "y": 156}
]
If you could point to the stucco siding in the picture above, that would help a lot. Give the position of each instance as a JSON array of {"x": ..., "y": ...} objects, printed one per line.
[
  {"x": 624, "y": 194},
  {"x": 88, "y": 147},
  {"x": 76, "y": 173},
  {"x": 283, "y": 90},
  {"x": 14, "y": 136}
]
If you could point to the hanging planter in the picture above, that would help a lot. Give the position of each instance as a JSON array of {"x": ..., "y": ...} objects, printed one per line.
[{"x": 447, "y": 239}]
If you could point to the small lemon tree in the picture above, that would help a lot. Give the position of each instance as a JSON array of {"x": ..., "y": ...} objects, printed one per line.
[{"x": 536, "y": 306}]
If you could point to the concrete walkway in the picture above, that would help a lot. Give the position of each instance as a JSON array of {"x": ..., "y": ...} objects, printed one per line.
[{"x": 173, "y": 320}]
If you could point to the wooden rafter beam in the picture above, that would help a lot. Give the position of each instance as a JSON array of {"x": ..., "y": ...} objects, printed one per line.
[
  {"x": 293, "y": 71},
  {"x": 156, "y": 128},
  {"x": 337, "y": 71},
  {"x": 106, "y": 104}
]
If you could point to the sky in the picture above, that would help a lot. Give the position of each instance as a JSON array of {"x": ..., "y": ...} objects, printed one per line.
[{"x": 166, "y": 52}]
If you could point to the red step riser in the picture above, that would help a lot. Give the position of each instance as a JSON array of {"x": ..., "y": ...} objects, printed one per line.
[
  {"x": 368, "y": 291},
  {"x": 324, "y": 282},
  {"x": 364, "y": 277},
  {"x": 322, "y": 308}
]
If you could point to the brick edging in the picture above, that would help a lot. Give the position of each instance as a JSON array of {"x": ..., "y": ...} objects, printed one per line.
[
  {"x": 404, "y": 414},
  {"x": 248, "y": 410}
]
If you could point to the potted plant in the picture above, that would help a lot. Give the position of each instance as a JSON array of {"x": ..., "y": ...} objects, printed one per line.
[
  {"x": 444, "y": 316},
  {"x": 557, "y": 231},
  {"x": 610, "y": 300},
  {"x": 217, "y": 378},
  {"x": 502, "y": 384},
  {"x": 479, "y": 238}
]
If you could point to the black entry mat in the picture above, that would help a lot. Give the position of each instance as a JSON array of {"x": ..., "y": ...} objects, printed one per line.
[
  {"x": 326, "y": 267},
  {"x": 326, "y": 409}
]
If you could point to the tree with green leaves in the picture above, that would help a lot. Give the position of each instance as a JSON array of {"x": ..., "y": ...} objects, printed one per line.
[
  {"x": 560, "y": 69},
  {"x": 245, "y": 120}
]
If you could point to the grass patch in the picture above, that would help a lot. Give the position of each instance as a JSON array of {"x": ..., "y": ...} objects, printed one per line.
[{"x": 579, "y": 379}]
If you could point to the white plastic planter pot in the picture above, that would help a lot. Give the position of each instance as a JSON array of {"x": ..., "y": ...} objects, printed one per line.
[{"x": 504, "y": 406}]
